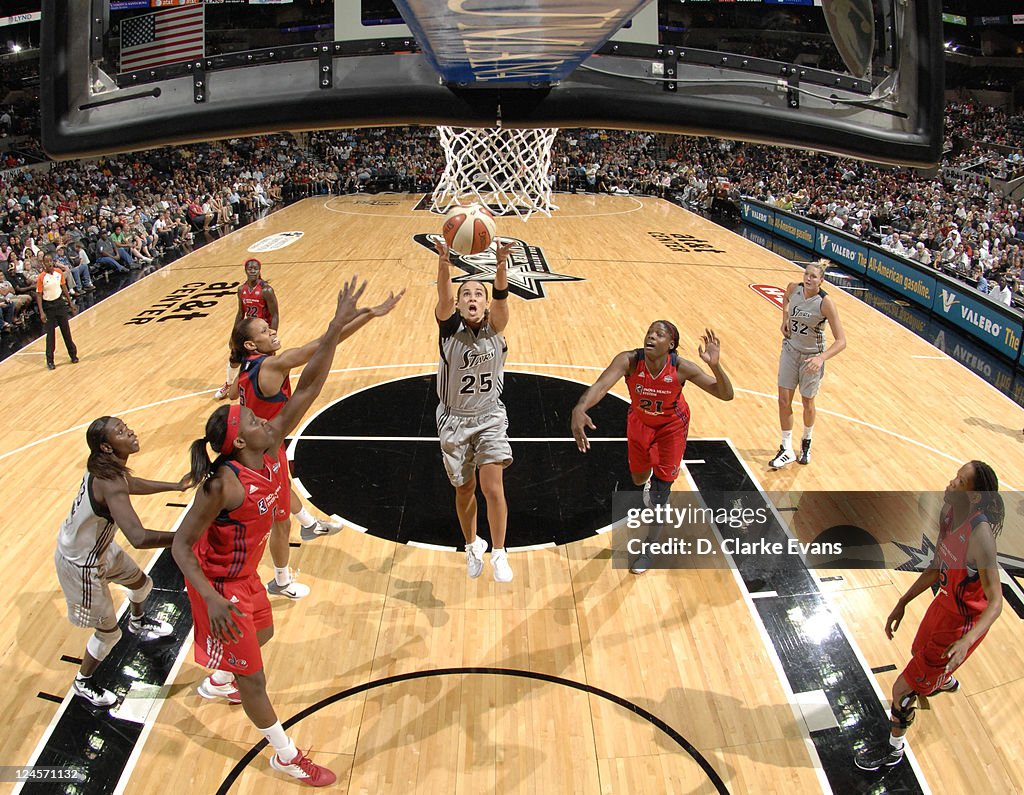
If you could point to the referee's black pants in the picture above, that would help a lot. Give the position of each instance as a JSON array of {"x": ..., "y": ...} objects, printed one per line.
[{"x": 57, "y": 314}]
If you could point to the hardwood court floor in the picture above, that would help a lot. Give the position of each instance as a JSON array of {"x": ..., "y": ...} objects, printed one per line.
[{"x": 684, "y": 647}]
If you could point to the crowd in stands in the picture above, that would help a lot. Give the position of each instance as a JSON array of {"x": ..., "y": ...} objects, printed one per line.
[{"x": 118, "y": 214}]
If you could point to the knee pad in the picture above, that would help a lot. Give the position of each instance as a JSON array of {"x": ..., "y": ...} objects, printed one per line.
[
  {"x": 904, "y": 712},
  {"x": 660, "y": 490},
  {"x": 100, "y": 644},
  {"x": 139, "y": 595}
]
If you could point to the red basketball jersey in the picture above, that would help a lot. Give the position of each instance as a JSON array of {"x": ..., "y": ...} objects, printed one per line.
[
  {"x": 266, "y": 407},
  {"x": 656, "y": 399},
  {"x": 232, "y": 546},
  {"x": 960, "y": 589},
  {"x": 253, "y": 302}
]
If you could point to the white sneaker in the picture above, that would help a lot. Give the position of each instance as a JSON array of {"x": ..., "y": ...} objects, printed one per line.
[
  {"x": 475, "y": 557},
  {"x": 784, "y": 457},
  {"x": 319, "y": 529},
  {"x": 499, "y": 562},
  {"x": 222, "y": 393},
  {"x": 146, "y": 628},
  {"x": 94, "y": 694},
  {"x": 293, "y": 590},
  {"x": 229, "y": 691}
]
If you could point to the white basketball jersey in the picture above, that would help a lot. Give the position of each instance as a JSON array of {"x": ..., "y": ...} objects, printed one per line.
[
  {"x": 471, "y": 372},
  {"x": 86, "y": 534},
  {"x": 806, "y": 322}
]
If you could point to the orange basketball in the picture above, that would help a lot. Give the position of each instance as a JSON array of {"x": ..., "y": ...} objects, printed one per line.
[{"x": 468, "y": 230}]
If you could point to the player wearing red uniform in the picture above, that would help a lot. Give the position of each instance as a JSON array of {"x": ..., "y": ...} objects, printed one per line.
[
  {"x": 256, "y": 299},
  {"x": 968, "y": 601},
  {"x": 658, "y": 419},
  {"x": 222, "y": 537},
  {"x": 263, "y": 386}
]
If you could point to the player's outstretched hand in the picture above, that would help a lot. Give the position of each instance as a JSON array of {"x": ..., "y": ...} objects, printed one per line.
[
  {"x": 348, "y": 300},
  {"x": 580, "y": 422},
  {"x": 503, "y": 248},
  {"x": 387, "y": 305},
  {"x": 442, "y": 249},
  {"x": 710, "y": 349}
]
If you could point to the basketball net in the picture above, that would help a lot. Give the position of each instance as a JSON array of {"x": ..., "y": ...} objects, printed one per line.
[{"x": 502, "y": 169}]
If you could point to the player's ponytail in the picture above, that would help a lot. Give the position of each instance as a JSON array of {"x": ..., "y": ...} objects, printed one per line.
[
  {"x": 987, "y": 484},
  {"x": 202, "y": 467}
]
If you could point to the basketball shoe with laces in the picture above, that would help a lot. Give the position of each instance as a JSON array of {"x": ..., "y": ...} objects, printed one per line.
[
  {"x": 93, "y": 693},
  {"x": 805, "y": 452},
  {"x": 475, "y": 557},
  {"x": 229, "y": 691},
  {"x": 293, "y": 590},
  {"x": 146, "y": 628},
  {"x": 873, "y": 759},
  {"x": 305, "y": 770},
  {"x": 784, "y": 457}
]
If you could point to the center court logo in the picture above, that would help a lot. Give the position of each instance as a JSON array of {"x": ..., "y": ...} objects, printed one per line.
[
  {"x": 274, "y": 242},
  {"x": 528, "y": 268}
]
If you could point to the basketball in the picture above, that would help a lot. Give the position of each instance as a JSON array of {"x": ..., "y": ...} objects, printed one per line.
[{"x": 468, "y": 230}]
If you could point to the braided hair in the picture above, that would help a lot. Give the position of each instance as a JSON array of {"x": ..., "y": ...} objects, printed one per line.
[{"x": 987, "y": 485}]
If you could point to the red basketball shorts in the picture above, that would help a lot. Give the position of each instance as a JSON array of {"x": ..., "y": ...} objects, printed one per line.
[
  {"x": 241, "y": 656},
  {"x": 659, "y": 448},
  {"x": 939, "y": 630}
]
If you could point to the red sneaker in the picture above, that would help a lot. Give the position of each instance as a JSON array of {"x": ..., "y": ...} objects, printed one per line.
[{"x": 305, "y": 770}]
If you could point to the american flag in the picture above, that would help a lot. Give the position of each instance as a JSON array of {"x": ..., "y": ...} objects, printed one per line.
[{"x": 163, "y": 37}]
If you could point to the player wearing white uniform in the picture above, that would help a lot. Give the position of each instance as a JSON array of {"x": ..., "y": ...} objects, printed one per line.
[
  {"x": 805, "y": 310},
  {"x": 87, "y": 559},
  {"x": 471, "y": 419}
]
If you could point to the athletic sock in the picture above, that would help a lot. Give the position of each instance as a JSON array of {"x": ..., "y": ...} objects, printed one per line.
[
  {"x": 897, "y": 742},
  {"x": 305, "y": 517},
  {"x": 221, "y": 678},
  {"x": 283, "y": 746},
  {"x": 787, "y": 440},
  {"x": 283, "y": 576},
  {"x": 808, "y": 431},
  {"x": 230, "y": 375}
]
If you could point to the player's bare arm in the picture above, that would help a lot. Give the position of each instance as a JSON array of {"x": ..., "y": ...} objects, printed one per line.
[
  {"x": 224, "y": 492},
  {"x": 499, "y": 306},
  {"x": 445, "y": 299},
  {"x": 718, "y": 383},
  {"x": 114, "y": 493},
  {"x": 619, "y": 368},
  {"x": 981, "y": 550},
  {"x": 790, "y": 289}
]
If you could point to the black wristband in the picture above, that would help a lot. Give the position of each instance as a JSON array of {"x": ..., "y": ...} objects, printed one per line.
[{"x": 500, "y": 294}]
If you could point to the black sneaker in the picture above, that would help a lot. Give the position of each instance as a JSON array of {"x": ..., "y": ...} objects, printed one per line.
[
  {"x": 873, "y": 759},
  {"x": 805, "y": 452},
  {"x": 94, "y": 694}
]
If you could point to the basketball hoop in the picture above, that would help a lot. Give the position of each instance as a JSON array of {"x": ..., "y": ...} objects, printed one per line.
[{"x": 505, "y": 170}]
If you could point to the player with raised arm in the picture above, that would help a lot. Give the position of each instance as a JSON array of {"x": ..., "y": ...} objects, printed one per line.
[
  {"x": 471, "y": 419},
  {"x": 658, "y": 418}
]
